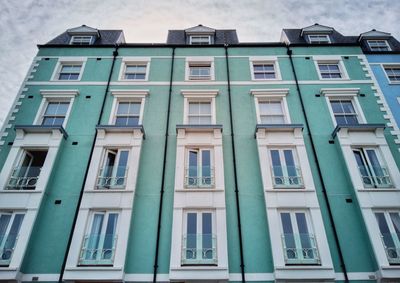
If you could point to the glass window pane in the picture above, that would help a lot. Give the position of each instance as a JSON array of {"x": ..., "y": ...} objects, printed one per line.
[
  {"x": 194, "y": 108},
  {"x": 132, "y": 121},
  {"x": 4, "y": 220},
  {"x": 191, "y": 223},
  {"x": 123, "y": 108},
  {"x": 51, "y": 108},
  {"x": 384, "y": 229},
  {"x": 121, "y": 121},
  {"x": 205, "y": 108}
]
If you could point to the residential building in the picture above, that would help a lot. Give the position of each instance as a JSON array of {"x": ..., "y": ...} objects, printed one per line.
[{"x": 202, "y": 159}]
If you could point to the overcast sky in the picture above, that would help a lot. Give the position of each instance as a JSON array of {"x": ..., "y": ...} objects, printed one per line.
[{"x": 23, "y": 24}]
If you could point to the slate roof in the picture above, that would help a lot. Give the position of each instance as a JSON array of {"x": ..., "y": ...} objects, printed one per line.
[
  {"x": 107, "y": 37},
  {"x": 393, "y": 42},
  {"x": 294, "y": 37},
  {"x": 221, "y": 36}
]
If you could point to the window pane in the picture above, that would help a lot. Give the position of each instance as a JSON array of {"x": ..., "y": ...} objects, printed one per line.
[
  {"x": 276, "y": 163},
  {"x": 384, "y": 229},
  {"x": 194, "y": 108},
  {"x": 134, "y": 108},
  {"x": 205, "y": 108},
  {"x": 275, "y": 107},
  {"x": 12, "y": 236},
  {"x": 4, "y": 220},
  {"x": 123, "y": 108},
  {"x": 121, "y": 121},
  {"x": 51, "y": 108},
  {"x": 205, "y": 120}
]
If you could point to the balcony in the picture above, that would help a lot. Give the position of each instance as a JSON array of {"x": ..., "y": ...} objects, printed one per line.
[
  {"x": 199, "y": 249},
  {"x": 392, "y": 252},
  {"x": 112, "y": 177},
  {"x": 300, "y": 249},
  {"x": 196, "y": 179},
  {"x": 378, "y": 179},
  {"x": 7, "y": 244},
  {"x": 287, "y": 177},
  {"x": 24, "y": 178},
  {"x": 98, "y": 249}
]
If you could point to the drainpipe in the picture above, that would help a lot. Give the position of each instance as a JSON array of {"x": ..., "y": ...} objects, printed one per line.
[
  {"x": 163, "y": 170},
  {"x": 235, "y": 168},
  {"x": 115, "y": 54},
  {"x": 320, "y": 176}
]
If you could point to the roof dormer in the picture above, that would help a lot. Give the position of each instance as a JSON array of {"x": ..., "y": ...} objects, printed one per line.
[
  {"x": 375, "y": 41},
  {"x": 83, "y": 35},
  {"x": 317, "y": 33},
  {"x": 200, "y": 35}
]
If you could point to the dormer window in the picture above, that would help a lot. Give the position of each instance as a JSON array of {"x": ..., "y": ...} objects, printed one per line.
[
  {"x": 200, "y": 40},
  {"x": 81, "y": 40},
  {"x": 319, "y": 38},
  {"x": 378, "y": 45}
]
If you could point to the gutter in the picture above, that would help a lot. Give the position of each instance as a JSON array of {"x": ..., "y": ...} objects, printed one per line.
[
  {"x": 235, "y": 168},
  {"x": 163, "y": 171},
  {"x": 115, "y": 54},
  {"x": 325, "y": 194}
]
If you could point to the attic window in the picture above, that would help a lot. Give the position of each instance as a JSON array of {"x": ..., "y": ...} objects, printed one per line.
[
  {"x": 319, "y": 38},
  {"x": 81, "y": 40},
  {"x": 200, "y": 40},
  {"x": 378, "y": 45}
]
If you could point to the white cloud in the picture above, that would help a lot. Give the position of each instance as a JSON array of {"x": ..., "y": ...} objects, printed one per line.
[{"x": 23, "y": 24}]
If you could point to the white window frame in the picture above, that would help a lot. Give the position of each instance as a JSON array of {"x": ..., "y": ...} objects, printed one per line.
[
  {"x": 344, "y": 94},
  {"x": 55, "y": 96},
  {"x": 271, "y": 95},
  {"x": 328, "y": 39},
  {"x": 199, "y": 228},
  {"x": 127, "y": 96},
  {"x": 106, "y": 214},
  {"x": 199, "y": 61},
  {"x": 385, "y": 44},
  {"x": 267, "y": 60},
  {"x": 9, "y": 225},
  {"x": 282, "y": 160},
  {"x": 389, "y": 223},
  {"x": 331, "y": 60},
  {"x": 199, "y": 36},
  {"x": 68, "y": 61},
  {"x": 295, "y": 228},
  {"x": 102, "y": 164},
  {"x": 384, "y": 66},
  {"x": 199, "y": 96},
  {"x": 366, "y": 160},
  {"x": 199, "y": 150},
  {"x": 126, "y": 61},
  {"x": 74, "y": 37}
]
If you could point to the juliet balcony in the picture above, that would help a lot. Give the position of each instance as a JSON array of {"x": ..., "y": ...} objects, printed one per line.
[
  {"x": 375, "y": 177},
  {"x": 391, "y": 242},
  {"x": 98, "y": 249},
  {"x": 112, "y": 177},
  {"x": 7, "y": 245},
  {"x": 199, "y": 177},
  {"x": 199, "y": 249},
  {"x": 300, "y": 249},
  {"x": 287, "y": 177}
]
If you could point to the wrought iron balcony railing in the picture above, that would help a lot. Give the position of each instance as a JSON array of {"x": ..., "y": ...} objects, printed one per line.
[
  {"x": 392, "y": 252},
  {"x": 98, "y": 249},
  {"x": 112, "y": 177},
  {"x": 287, "y": 177},
  {"x": 199, "y": 249},
  {"x": 379, "y": 179},
  {"x": 199, "y": 177},
  {"x": 24, "y": 178},
  {"x": 7, "y": 243},
  {"x": 300, "y": 249}
]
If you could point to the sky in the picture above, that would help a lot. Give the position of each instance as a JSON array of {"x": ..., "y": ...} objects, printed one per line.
[{"x": 23, "y": 24}]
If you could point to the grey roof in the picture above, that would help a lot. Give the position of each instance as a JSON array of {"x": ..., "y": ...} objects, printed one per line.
[
  {"x": 393, "y": 42},
  {"x": 294, "y": 37},
  {"x": 107, "y": 37},
  {"x": 221, "y": 36}
]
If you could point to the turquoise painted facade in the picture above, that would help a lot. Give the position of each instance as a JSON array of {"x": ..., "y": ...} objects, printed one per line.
[{"x": 337, "y": 209}]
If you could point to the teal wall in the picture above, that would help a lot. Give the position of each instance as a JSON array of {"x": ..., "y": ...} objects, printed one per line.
[{"x": 51, "y": 230}]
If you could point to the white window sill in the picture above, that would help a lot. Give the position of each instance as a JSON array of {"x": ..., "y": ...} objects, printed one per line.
[
  {"x": 90, "y": 268},
  {"x": 63, "y": 81},
  {"x": 132, "y": 80},
  {"x": 20, "y": 191},
  {"x": 208, "y": 190},
  {"x": 291, "y": 190},
  {"x": 392, "y": 189},
  {"x": 108, "y": 191},
  {"x": 335, "y": 79}
]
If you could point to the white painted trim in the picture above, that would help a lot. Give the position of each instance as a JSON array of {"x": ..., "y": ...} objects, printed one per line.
[
  {"x": 129, "y": 92},
  {"x": 331, "y": 59},
  {"x": 127, "y": 95},
  {"x": 199, "y": 60},
  {"x": 265, "y": 60},
  {"x": 199, "y": 92},
  {"x": 134, "y": 60},
  {"x": 340, "y": 91},
  {"x": 68, "y": 60},
  {"x": 192, "y": 83},
  {"x": 356, "y": 104},
  {"x": 316, "y": 34},
  {"x": 55, "y": 96},
  {"x": 386, "y": 75},
  {"x": 272, "y": 92}
]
